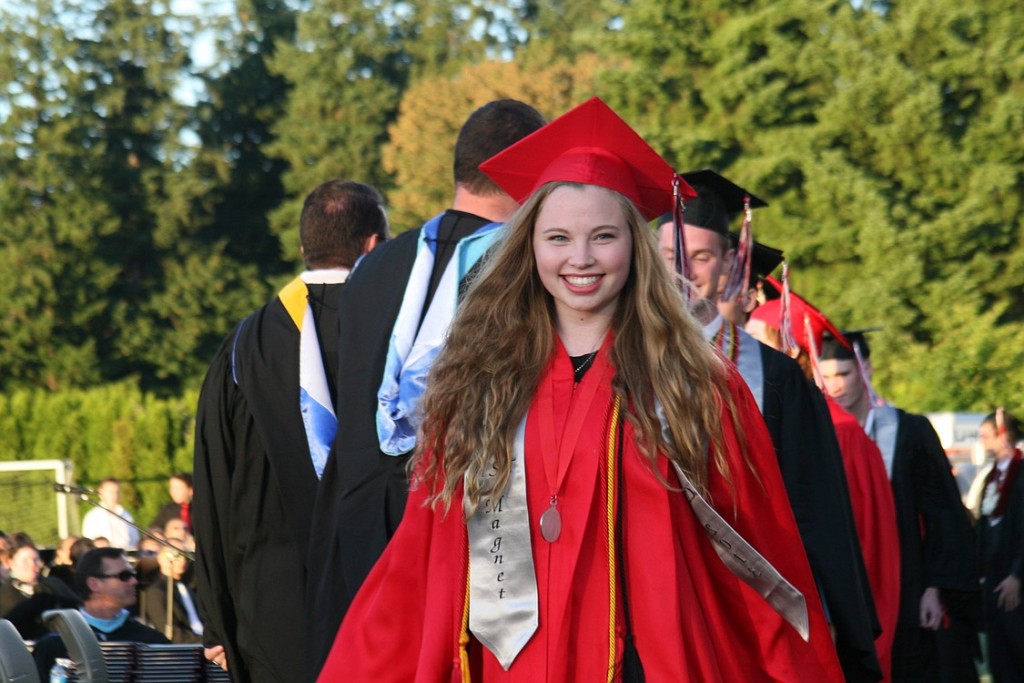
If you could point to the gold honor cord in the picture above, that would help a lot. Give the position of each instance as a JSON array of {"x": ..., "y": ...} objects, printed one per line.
[
  {"x": 613, "y": 430},
  {"x": 464, "y": 630}
]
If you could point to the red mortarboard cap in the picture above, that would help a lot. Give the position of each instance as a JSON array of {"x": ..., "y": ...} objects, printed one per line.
[
  {"x": 589, "y": 144},
  {"x": 770, "y": 313}
]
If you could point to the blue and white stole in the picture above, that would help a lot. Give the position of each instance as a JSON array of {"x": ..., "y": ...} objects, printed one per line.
[
  {"x": 315, "y": 402},
  {"x": 747, "y": 357},
  {"x": 414, "y": 346}
]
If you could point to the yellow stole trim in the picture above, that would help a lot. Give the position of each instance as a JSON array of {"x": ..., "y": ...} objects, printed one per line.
[{"x": 294, "y": 299}]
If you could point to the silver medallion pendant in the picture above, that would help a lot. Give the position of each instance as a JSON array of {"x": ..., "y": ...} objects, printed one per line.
[{"x": 551, "y": 523}]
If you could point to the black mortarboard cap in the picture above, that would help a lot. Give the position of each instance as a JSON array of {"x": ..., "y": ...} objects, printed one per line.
[
  {"x": 833, "y": 349},
  {"x": 764, "y": 259},
  {"x": 718, "y": 200}
]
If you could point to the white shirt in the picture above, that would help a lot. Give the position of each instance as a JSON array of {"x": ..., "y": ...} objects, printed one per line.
[{"x": 99, "y": 522}]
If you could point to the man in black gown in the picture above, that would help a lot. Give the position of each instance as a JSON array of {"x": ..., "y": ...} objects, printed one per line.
[
  {"x": 396, "y": 307},
  {"x": 799, "y": 424},
  {"x": 264, "y": 426},
  {"x": 1001, "y": 546}
]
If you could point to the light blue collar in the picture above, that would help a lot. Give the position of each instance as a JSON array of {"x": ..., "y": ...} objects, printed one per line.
[{"x": 106, "y": 625}]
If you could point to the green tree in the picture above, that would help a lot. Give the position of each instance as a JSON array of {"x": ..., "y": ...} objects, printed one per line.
[
  {"x": 419, "y": 151},
  {"x": 91, "y": 132},
  {"x": 886, "y": 142},
  {"x": 52, "y": 314},
  {"x": 217, "y": 251},
  {"x": 350, "y": 65}
]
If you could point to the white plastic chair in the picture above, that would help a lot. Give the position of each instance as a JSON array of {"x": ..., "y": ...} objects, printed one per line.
[
  {"x": 16, "y": 663},
  {"x": 83, "y": 648}
]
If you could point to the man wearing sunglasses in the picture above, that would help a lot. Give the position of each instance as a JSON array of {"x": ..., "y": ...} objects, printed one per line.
[{"x": 106, "y": 583}]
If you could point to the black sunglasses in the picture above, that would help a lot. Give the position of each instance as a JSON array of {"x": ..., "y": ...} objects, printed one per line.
[{"x": 126, "y": 575}]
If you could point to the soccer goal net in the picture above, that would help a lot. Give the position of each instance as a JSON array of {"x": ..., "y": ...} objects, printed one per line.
[{"x": 29, "y": 502}]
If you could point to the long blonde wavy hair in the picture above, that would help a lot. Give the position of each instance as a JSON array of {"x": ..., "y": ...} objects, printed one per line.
[{"x": 483, "y": 381}]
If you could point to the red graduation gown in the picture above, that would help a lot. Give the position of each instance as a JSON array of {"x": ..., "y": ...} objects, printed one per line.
[
  {"x": 692, "y": 619},
  {"x": 874, "y": 514}
]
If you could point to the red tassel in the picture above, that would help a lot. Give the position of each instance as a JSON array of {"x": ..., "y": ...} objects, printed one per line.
[
  {"x": 788, "y": 340},
  {"x": 739, "y": 275},
  {"x": 812, "y": 349}
]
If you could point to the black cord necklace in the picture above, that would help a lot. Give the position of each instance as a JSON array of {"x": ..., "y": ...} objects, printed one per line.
[{"x": 580, "y": 365}]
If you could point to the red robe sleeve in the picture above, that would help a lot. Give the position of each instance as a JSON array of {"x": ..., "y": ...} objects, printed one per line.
[
  {"x": 754, "y": 501},
  {"x": 404, "y": 623},
  {"x": 875, "y": 516}
]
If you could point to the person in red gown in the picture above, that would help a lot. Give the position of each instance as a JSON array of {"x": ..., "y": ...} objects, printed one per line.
[
  {"x": 874, "y": 510},
  {"x": 573, "y": 423},
  {"x": 874, "y": 513}
]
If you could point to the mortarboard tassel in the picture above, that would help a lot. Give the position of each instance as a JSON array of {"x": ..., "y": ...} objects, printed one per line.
[
  {"x": 681, "y": 264},
  {"x": 812, "y": 348},
  {"x": 873, "y": 397},
  {"x": 788, "y": 340},
  {"x": 739, "y": 275}
]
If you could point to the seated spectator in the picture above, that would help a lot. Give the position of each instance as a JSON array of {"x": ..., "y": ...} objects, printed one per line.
[
  {"x": 106, "y": 583},
  {"x": 146, "y": 564},
  {"x": 111, "y": 520},
  {"x": 28, "y": 594},
  {"x": 63, "y": 567},
  {"x": 180, "y": 488},
  {"x": 67, "y": 574},
  {"x": 150, "y": 547},
  {"x": 79, "y": 548},
  {"x": 183, "y": 625},
  {"x": 62, "y": 555},
  {"x": 177, "y": 528}
]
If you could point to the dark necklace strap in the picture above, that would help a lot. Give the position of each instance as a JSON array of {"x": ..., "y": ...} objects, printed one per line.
[{"x": 580, "y": 365}]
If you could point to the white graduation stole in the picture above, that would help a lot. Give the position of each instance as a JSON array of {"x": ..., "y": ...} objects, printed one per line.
[{"x": 315, "y": 404}]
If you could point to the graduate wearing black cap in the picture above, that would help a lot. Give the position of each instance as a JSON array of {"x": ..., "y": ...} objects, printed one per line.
[
  {"x": 798, "y": 421},
  {"x": 1001, "y": 545},
  {"x": 934, "y": 529}
]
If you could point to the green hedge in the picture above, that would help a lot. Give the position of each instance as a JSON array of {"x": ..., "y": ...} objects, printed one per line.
[{"x": 114, "y": 430}]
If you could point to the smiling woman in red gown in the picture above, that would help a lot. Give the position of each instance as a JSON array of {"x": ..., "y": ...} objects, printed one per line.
[{"x": 574, "y": 426}]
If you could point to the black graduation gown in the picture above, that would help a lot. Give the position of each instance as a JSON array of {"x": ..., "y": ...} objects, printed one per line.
[
  {"x": 1001, "y": 550},
  {"x": 254, "y": 487},
  {"x": 936, "y": 540},
  {"x": 363, "y": 490},
  {"x": 801, "y": 429}
]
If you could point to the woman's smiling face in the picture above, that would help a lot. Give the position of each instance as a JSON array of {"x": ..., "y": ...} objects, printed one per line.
[{"x": 583, "y": 247}]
